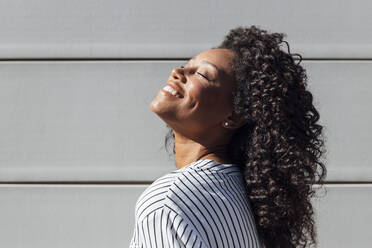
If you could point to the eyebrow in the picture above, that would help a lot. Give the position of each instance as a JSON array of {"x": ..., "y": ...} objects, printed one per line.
[{"x": 206, "y": 62}]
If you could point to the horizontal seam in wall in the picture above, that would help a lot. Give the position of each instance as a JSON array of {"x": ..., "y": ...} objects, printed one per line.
[
  {"x": 141, "y": 182},
  {"x": 157, "y": 59}
]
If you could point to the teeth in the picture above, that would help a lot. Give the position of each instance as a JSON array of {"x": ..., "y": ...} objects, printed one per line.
[{"x": 171, "y": 90}]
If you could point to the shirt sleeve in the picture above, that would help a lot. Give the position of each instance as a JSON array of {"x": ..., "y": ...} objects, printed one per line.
[{"x": 165, "y": 228}]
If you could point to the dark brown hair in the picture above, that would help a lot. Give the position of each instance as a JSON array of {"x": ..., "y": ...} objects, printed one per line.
[{"x": 280, "y": 146}]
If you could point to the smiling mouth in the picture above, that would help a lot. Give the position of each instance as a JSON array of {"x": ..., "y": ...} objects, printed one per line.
[{"x": 171, "y": 91}]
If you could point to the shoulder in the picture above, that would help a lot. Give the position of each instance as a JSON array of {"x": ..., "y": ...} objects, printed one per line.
[
  {"x": 156, "y": 211},
  {"x": 176, "y": 190},
  {"x": 165, "y": 226},
  {"x": 199, "y": 186},
  {"x": 196, "y": 190},
  {"x": 153, "y": 197}
]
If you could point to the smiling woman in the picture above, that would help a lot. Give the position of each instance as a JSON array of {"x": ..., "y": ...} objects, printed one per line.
[
  {"x": 206, "y": 84},
  {"x": 247, "y": 149}
]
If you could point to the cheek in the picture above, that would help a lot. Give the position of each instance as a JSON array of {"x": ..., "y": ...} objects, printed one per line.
[
  {"x": 196, "y": 92},
  {"x": 211, "y": 102},
  {"x": 201, "y": 96}
]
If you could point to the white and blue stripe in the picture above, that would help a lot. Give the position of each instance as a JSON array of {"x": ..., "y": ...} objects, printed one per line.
[{"x": 203, "y": 204}]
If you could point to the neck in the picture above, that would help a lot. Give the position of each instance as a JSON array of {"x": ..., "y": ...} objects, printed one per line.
[{"x": 188, "y": 150}]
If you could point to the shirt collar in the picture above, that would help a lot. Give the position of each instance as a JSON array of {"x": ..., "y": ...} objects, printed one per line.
[{"x": 209, "y": 164}]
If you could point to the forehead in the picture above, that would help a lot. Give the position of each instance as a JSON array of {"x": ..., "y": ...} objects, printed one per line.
[{"x": 221, "y": 58}]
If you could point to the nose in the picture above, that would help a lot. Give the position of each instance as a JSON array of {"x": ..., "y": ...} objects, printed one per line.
[{"x": 178, "y": 73}]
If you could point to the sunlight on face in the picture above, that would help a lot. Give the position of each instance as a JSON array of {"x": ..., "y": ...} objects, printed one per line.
[{"x": 206, "y": 82}]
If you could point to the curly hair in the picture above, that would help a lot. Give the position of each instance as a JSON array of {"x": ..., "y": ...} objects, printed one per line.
[{"x": 279, "y": 148}]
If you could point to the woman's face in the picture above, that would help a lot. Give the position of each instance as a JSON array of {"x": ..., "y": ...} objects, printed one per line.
[{"x": 205, "y": 83}]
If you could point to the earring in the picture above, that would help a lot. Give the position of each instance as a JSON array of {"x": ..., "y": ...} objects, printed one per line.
[{"x": 226, "y": 123}]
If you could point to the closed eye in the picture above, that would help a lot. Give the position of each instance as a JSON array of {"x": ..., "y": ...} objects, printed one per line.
[
  {"x": 203, "y": 76},
  {"x": 198, "y": 73}
]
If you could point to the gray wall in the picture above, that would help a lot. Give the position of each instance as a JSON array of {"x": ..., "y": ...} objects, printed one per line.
[{"x": 79, "y": 142}]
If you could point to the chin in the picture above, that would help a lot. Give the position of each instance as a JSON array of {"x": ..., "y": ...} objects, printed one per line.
[
  {"x": 152, "y": 106},
  {"x": 160, "y": 110},
  {"x": 158, "y": 107}
]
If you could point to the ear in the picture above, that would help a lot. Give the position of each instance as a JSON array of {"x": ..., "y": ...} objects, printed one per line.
[{"x": 234, "y": 121}]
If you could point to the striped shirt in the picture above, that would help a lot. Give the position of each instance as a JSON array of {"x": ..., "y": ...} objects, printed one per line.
[{"x": 201, "y": 205}]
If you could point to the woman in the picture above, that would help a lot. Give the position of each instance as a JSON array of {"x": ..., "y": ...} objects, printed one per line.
[{"x": 247, "y": 148}]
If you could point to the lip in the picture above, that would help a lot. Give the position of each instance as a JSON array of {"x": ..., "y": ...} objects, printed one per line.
[
  {"x": 164, "y": 92},
  {"x": 177, "y": 88}
]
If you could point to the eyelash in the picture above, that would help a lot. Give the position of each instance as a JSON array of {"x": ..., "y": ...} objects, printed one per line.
[{"x": 198, "y": 73}]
